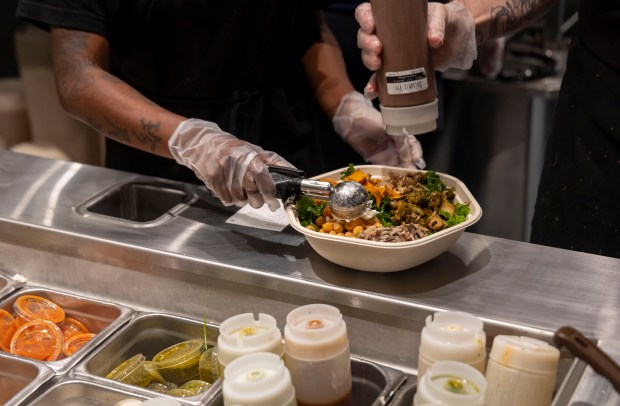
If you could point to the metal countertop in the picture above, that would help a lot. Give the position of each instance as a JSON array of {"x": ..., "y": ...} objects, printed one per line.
[{"x": 504, "y": 280}]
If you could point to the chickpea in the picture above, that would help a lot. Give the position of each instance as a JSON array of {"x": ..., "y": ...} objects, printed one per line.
[
  {"x": 339, "y": 227},
  {"x": 348, "y": 234},
  {"x": 340, "y": 234},
  {"x": 333, "y": 232},
  {"x": 327, "y": 226},
  {"x": 311, "y": 227},
  {"x": 357, "y": 230},
  {"x": 320, "y": 221},
  {"x": 377, "y": 224},
  {"x": 350, "y": 225}
]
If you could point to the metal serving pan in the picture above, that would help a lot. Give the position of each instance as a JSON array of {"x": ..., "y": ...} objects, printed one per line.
[
  {"x": 76, "y": 392},
  {"x": 148, "y": 334},
  {"x": 20, "y": 378},
  {"x": 7, "y": 284},
  {"x": 101, "y": 318}
]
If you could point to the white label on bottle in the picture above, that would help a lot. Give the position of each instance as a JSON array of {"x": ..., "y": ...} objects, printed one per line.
[{"x": 406, "y": 81}]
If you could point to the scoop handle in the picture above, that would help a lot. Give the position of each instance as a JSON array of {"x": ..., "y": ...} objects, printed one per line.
[
  {"x": 585, "y": 349},
  {"x": 288, "y": 180}
]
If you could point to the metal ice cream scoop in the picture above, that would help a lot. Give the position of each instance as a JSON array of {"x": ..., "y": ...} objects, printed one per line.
[{"x": 347, "y": 200}]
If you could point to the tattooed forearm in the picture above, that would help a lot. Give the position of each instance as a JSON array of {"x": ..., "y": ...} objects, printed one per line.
[
  {"x": 512, "y": 15},
  {"x": 147, "y": 135},
  {"x": 71, "y": 61},
  {"x": 118, "y": 133}
]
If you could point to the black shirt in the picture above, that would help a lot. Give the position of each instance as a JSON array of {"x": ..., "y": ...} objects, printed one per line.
[{"x": 234, "y": 62}]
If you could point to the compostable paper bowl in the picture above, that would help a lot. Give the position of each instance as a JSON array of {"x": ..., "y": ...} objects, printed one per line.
[{"x": 376, "y": 256}]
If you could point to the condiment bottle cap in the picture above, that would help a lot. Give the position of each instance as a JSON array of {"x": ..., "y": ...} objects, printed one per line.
[
  {"x": 243, "y": 334},
  {"x": 7, "y": 329},
  {"x": 32, "y": 307},
  {"x": 315, "y": 332},
  {"x": 38, "y": 339},
  {"x": 71, "y": 327},
  {"x": 258, "y": 379},
  {"x": 75, "y": 342},
  {"x": 452, "y": 383},
  {"x": 525, "y": 353},
  {"x": 454, "y": 336}
]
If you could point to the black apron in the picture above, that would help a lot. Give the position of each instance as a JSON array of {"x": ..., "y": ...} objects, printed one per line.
[
  {"x": 236, "y": 63},
  {"x": 578, "y": 203}
]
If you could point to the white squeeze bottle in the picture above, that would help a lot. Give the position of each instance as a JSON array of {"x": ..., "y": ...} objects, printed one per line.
[
  {"x": 521, "y": 371},
  {"x": 243, "y": 334},
  {"x": 317, "y": 355},
  {"x": 452, "y": 336},
  {"x": 258, "y": 379},
  {"x": 451, "y": 383}
]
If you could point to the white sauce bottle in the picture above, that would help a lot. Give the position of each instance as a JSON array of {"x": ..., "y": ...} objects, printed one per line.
[
  {"x": 243, "y": 334},
  {"x": 452, "y": 336},
  {"x": 451, "y": 383},
  {"x": 258, "y": 379},
  {"x": 521, "y": 371},
  {"x": 317, "y": 355}
]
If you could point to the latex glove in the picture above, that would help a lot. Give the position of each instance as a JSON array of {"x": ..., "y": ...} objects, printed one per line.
[
  {"x": 234, "y": 170},
  {"x": 451, "y": 36},
  {"x": 360, "y": 125}
]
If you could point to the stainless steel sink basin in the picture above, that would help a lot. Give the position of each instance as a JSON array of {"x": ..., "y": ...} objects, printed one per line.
[{"x": 138, "y": 203}]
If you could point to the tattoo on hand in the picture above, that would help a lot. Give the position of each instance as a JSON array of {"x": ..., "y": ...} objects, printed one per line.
[{"x": 506, "y": 18}]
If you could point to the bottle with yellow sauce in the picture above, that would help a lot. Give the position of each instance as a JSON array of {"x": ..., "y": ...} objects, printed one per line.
[
  {"x": 244, "y": 334},
  {"x": 452, "y": 336}
]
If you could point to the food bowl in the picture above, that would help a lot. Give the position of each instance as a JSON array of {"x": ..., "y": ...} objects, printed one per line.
[{"x": 377, "y": 256}]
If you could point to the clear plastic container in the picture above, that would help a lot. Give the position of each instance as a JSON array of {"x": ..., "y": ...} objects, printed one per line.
[
  {"x": 196, "y": 386},
  {"x": 258, "y": 379},
  {"x": 131, "y": 371},
  {"x": 8, "y": 327},
  {"x": 208, "y": 369},
  {"x": 70, "y": 327},
  {"x": 179, "y": 363},
  {"x": 32, "y": 307},
  {"x": 75, "y": 342},
  {"x": 38, "y": 339}
]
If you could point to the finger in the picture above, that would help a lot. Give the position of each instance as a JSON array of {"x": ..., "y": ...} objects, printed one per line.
[
  {"x": 363, "y": 15},
  {"x": 216, "y": 176},
  {"x": 267, "y": 188},
  {"x": 437, "y": 16},
  {"x": 371, "y": 90},
  {"x": 371, "y": 61},
  {"x": 368, "y": 42}
]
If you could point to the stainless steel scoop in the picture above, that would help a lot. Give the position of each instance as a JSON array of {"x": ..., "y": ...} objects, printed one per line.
[{"x": 346, "y": 200}]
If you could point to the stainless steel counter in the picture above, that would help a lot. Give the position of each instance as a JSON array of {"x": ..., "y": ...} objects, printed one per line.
[{"x": 194, "y": 263}]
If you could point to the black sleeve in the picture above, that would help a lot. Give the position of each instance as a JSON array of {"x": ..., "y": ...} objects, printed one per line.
[{"x": 82, "y": 15}]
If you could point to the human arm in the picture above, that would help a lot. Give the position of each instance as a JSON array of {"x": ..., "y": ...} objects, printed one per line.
[
  {"x": 355, "y": 119},
  {"x": 90, "y": 93},
  {"x": 454, "y": 29},
  {"x": 234, "y": 170}
]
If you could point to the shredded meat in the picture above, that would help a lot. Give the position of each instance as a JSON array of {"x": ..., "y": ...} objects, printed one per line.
[{"x": 401, "y": 233}]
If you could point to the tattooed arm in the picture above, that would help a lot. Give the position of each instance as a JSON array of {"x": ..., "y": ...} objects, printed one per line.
[
  {"x": 495, "y": 18},
  {"x": 90, "y": 93}
]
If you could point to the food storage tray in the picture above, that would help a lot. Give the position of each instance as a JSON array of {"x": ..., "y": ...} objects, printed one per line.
[
  {"x": 20, "y": 378},
  {"x": 101, "y": 318}
]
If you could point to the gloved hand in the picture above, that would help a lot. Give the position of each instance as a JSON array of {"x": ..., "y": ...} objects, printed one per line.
[
  {"x": 234, "y": 170},
  {"x": 361, "y": 126},
  {"x": 451, "y": 36}
]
